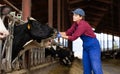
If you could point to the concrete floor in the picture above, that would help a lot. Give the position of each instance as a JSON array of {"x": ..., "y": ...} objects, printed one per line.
[
  {"x": 76, "y": 68},
  {"x": 44, "y": 70},
  {"x": 111, "y": 69},
  {"x": 108, "y": 68}
]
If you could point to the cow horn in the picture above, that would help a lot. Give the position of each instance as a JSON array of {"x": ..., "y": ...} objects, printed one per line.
[{"x": 31, "y": 18}]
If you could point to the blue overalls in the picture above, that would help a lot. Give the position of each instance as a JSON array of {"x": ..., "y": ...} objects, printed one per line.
[{"x": 91, "y": 55}]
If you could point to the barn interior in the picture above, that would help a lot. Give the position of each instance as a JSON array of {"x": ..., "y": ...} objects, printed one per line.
[{"x": 102, "y": 15}]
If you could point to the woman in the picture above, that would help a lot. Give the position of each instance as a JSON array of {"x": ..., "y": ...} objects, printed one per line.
[{"x": 91, "y": 48}]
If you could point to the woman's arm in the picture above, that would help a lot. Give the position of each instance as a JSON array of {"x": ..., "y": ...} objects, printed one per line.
[
  {"x": 78, "y": 32},
  {"x": 63, "y": 35},
  {"x": 70, "y": 30}
]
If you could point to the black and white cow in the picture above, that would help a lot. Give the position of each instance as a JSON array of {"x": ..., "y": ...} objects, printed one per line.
[
  {"x": 30, "y": 30},
  {"x": 3, "y": 31},
  {"x": 50, "y": 51},
  {"x": 65, "y": 55},
  {"x": 4, "y": 10}
]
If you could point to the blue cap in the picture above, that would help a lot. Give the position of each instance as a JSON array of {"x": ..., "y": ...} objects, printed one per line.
[{"x": 79, "y": 11}]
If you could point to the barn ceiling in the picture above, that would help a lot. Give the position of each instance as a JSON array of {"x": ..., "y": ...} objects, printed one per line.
[{"x": 103, "y": 15}]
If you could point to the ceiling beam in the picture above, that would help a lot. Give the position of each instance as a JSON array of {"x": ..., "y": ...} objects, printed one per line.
[
  {"x": 92, "y": 19},
  {"x": 98, "y": 8},
  {"x": 91, "y": 13},
  {"x": 105, "y": 1},
  {"x": 74, "y": 1}
]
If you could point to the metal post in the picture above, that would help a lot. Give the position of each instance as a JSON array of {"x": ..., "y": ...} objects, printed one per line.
[
  {"x": 58, "y": 17},
  {"x": 119, "y": 43},
  {"x": 26, "y": 9},
  {"x": 58, "y": 14},
  {"x": 63, "y": 15},
  {"x": 50, "y": 12},
  {"x": 112, "y": 42},
  {"x": 10, "y": 4},
  {"x": 119, "y": 21},
  {"x": 103, "y": 42},
  {"x": 107, "y": 42},
  {"x": 0, "y": 55}
]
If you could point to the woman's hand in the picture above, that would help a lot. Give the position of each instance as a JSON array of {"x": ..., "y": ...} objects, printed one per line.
[{"x": 63, "y": 35}]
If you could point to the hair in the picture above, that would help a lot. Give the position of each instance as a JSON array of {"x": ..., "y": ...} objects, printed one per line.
[{"x": 83, "y": 17}]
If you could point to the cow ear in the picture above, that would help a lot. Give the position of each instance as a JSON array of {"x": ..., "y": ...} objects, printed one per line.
[
  {"x": 28, "y": 26},
  {"x": 29, "y": 20},
  {"x": 5, "y": 10}
]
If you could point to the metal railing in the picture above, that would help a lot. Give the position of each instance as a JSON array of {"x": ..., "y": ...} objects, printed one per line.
[{"x": 33, "y": 54}]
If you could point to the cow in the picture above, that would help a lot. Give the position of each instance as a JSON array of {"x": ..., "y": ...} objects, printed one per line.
[
  {"x": 66, "y": 55},
  {"x": 111, "y": 54},
  {"x": 32, "y": 30},
  {"x": 50, "y": 51},
  {"x": 63, "y": 53},
  {"x": 4, "y": 10},
  {"x": 3, "y": 31},
  {"x": 117, "y": 55}
]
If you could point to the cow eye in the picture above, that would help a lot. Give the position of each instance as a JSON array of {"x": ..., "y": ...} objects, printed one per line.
[{"x": 28, "y": 26}]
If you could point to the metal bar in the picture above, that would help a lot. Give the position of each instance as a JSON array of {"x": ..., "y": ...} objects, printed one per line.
[
  {"x": 6, "y": 1},
  {"x": 112, "y": 42},
  {"x": 100, "y": 42},
  {"x": 107, "y": 42},
  {"x": 63, "y": 15},
  {"x": 9, "y": 49},
  {"x": 0, "y": 55},
  {"x": 103, "y": 42},
  {"x": 119, "y": 43}
]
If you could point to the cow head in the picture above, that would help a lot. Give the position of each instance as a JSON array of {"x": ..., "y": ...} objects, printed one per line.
[
  {"x": 39, "y": 31},
  {"x": 30, "y": 30},
  {"x": 3, "y": 31},
  {"x": 5, "y": 9}
]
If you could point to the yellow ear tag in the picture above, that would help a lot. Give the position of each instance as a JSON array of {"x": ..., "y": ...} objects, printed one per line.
[{"x": 28, "y": 26}]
